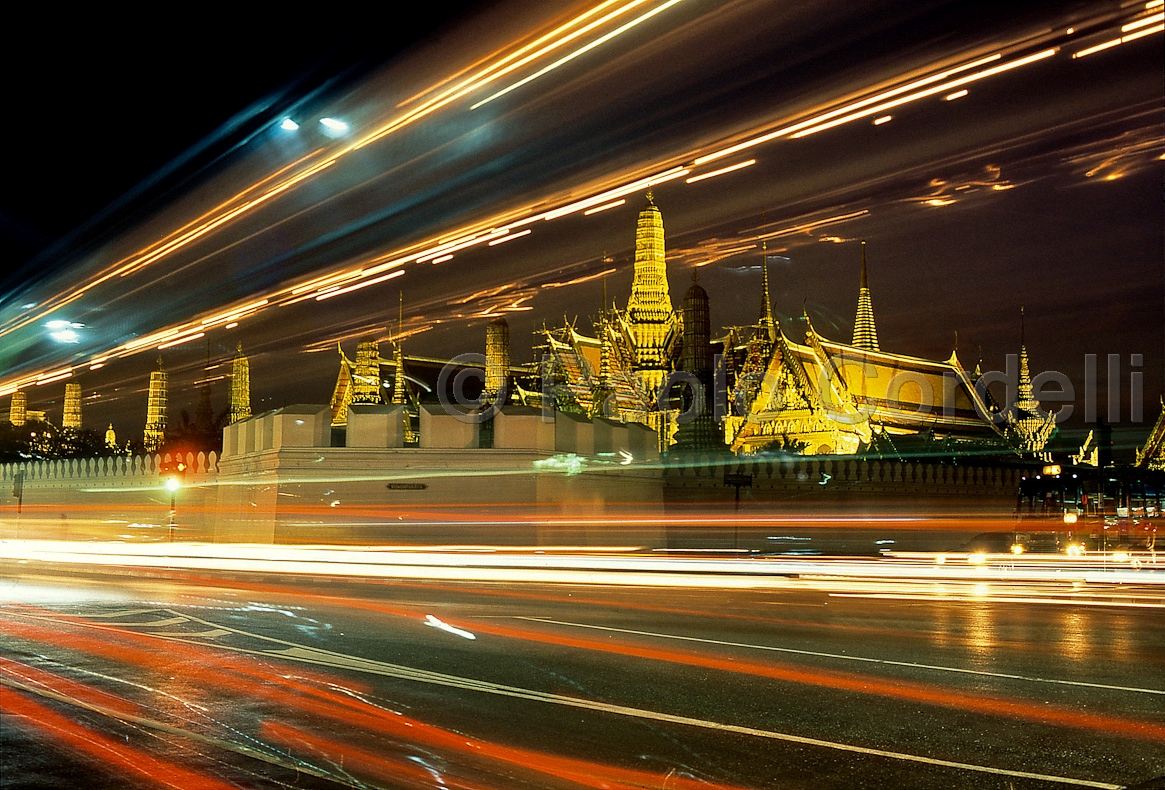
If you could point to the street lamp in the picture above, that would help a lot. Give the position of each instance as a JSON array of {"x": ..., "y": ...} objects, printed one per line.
[{"x": 175, "y": 475}]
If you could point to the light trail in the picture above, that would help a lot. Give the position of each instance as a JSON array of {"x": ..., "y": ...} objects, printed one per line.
[
  {"x": 369, "y": 271},
  {"x": 721, "y": 171},
  {"x": 922, "y": 94},
  {"x": 231, "y": 209},
  {"x": 580, "y": 51},
  {"x": 846, "y": 656},
  {"x": 605, "y": 206},
  {"x": 130, "y": 761},
  {"x": 383, "y": 562}
]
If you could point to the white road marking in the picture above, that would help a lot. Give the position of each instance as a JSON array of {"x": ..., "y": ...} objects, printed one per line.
[
  {"x": 432, "y": 621},
  {"x": 936, "y": 667}
]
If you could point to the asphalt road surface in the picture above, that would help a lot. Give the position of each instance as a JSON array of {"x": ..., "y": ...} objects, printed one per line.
[{"x": 201, "y": 679}]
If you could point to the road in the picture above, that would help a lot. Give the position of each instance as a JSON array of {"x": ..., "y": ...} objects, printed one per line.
[{"x": 194, "y": 677}]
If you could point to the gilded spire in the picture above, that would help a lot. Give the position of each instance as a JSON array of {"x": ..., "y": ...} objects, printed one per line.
[
  {"x": 767, "y": 324},
  {"x": 398, "y": 382},
  {"x": 366, "y": 376},
  {"x": 240, "y": 386},
  {"x": 1028, "y": 427},
  {"x": 865, "y": 332},
  {"x": 111, "y": 438},
  {"x": 652, "y": 319}
]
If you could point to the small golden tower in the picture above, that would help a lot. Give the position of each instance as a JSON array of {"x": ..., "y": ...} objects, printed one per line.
[
  {"x": 71, "y": 419},
  {"x": 652, "y": 319},
  {"x": 111, "y": 438},
  {"x": 497, "y": 357},
  {"x": 18, "y": 413},
  {"x": 366, "y": 376},
  {"x": 865, "y": 332},
  {"x": 240, "y": 386},
  {"x": 155, "y": 432}
]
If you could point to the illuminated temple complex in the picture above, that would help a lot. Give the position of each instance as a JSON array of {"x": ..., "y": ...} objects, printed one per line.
[
  {"x": 798, "y": 393},
  {"x": 803, "y": 394}
]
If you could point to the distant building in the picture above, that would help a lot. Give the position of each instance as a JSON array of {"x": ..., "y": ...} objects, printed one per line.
[
  {"x": 240, "y": 386},
  {"x": 822, "y": 397},
  {"x": 71, "y": 418},
  {"x": 18, "y": 411},
  {"x": 619, "y": 371},
  {"x": 155, "y": 431}
]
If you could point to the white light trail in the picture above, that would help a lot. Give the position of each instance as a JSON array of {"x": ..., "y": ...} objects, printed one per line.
[
  {"x": 1140, "y": 23},
  {"x": 510, "y": 237},
  {"x": 605, "y": 206},
  {"x": 360, "y": 285},
  {"x": 764, "y": 138},
  {"x": 580, "y": 51},
  {"x": 922, "y": 94},
  {"x": 721, "y": 171},
  {"x": 181, "y": 340}
]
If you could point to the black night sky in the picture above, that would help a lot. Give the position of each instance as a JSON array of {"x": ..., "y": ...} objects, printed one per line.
[{"x": 1042, "y": 187}]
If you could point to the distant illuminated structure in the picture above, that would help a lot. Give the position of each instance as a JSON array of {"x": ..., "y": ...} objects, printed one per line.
[
  {"x": 18, "y": 411},
  {"x": 361, "y": 381},
  {"x": 700, "y": 433},
  {"x": 111, "y": 438},
  {"x": 865, "y": 332},
  {"x": 240, "y": 386},
  {"x": 366, "y": 375},
  {"x": 1151, "y": 455},
  {"x": 1027, "y": 428},
  {"x": 618, "y": 372},
  {"x": 497, "y": 358},
  {"x": 71, "y": 419},
  {"x": 821, "y": 397},
  {"x": 650, "y": 322},
  {"x": 155, "y": 432}
]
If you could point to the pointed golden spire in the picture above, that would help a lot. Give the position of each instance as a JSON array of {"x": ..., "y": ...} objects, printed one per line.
[
  {"x": 865, "y": 331},
  {"x": 652, "y": 319},
  {"x": 767, "y": 324}
]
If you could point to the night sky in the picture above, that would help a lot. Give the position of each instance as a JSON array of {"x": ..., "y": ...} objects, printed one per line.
[{"x": 1041, "y": 187}]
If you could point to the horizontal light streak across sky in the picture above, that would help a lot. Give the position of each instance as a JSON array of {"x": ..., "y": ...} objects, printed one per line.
[{"x": 372, "y": 270}]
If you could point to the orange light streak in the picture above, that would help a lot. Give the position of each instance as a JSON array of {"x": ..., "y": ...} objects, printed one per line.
[
  {"x": 604, "y": 207},
  {"x": 511, "y": 237},
  {"x": 581, "y": 50},
  {"x": 764, "y": 138},
  {"x": 848, "y": 682},
  {"x": 31, "y": 676},
  {"x": 357, "y": 286},
  {"x": 1140, "y": 23},
  {"x": 105, "y": 750},
  {"x": 181, "y": 340},
  {"x": 922, "y": 94}
]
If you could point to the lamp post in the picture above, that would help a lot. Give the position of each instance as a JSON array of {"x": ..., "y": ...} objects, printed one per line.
[{"x": 175, "y": 475}]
